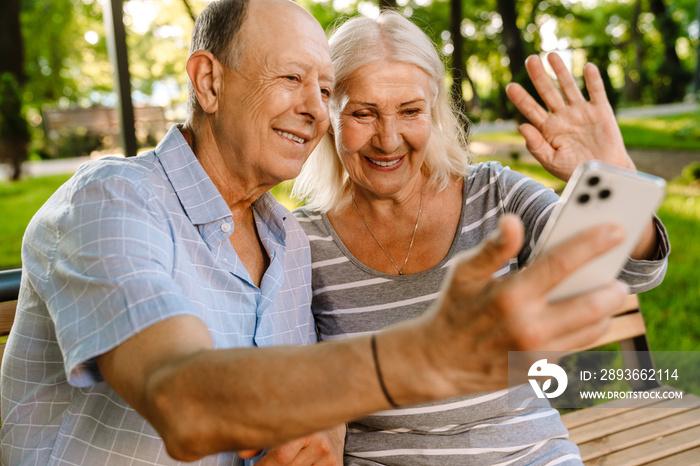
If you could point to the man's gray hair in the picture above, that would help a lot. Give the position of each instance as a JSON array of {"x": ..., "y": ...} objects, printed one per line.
[
  {"x": 216, "y": 31},
  {"x": 358, "y": 42}
]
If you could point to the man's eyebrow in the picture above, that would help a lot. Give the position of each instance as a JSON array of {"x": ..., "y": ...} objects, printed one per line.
[{"x": 306, "y": 66}]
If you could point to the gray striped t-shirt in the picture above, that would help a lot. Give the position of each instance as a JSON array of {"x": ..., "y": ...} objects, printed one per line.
[{"x": 350, "y": 298}]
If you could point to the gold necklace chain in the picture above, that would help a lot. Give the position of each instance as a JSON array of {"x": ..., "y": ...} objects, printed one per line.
[{"x": 413, "y": 237}]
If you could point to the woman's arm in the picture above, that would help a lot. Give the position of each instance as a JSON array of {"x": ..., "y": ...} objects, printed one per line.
[{"x": 574, "y": 130}]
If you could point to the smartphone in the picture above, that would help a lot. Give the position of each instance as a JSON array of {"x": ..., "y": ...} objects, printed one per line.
[{"x": 599, "y": 193}]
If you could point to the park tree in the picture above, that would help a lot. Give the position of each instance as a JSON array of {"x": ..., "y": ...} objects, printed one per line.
[
  {"x": 639, "y": 45},
  {"x": 671, "y": 78},
  {"x": 14, "y": 134}
]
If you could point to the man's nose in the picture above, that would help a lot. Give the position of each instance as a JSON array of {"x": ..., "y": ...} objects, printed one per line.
[
  {"x": 387, "y": 137},
  {"x": 313, "y": 104}
]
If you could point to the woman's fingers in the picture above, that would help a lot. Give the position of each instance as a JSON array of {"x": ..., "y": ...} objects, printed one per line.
[
  {"x": 536, "y": 144},
  {"x": 594, "y": 84},
  {"x": 566, "y": 80},
  {"x": 544, "y": 84},
  {"x": 526, "y": 104}
]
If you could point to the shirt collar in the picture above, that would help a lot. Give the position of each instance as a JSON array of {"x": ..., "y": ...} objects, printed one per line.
[
  {"x": 272, "y": 213},
  {"x": 199, "y": 196},
  {"x": 197, "y": 193}
]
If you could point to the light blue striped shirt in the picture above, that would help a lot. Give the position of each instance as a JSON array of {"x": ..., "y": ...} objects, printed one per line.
[{"x": 122, "y": 245}]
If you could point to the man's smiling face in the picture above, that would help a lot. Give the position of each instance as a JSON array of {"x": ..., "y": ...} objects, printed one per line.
[{"x": 274, "y": 106}]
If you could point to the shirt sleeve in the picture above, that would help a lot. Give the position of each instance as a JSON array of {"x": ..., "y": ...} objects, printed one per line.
[
  {"x": 110, "y": 276},
  {"x": 528, "y": 199},
  {"x": 643, "y": 275},
  {"x": 533, "y": 203}
]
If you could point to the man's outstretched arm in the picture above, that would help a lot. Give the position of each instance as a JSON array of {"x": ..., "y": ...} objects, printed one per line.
[{"x": 203, "y": 401}]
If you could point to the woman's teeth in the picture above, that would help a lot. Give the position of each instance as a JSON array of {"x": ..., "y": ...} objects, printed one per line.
[
  {"x": 384, "y": 164},
  {"x": 291, "y": 136}
]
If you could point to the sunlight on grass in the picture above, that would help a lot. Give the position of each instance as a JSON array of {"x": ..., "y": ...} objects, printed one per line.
[
  {"x": 18, "y": 202},
  {"x": 670, "y": 132},
  {"x": 680, "y": 132}
]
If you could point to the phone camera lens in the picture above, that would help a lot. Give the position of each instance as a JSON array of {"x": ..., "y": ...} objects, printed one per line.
[
  {"x": 593, "y": 180},
  {"x": 583, "y": 198},
  {"x": 604, "y": 193}
]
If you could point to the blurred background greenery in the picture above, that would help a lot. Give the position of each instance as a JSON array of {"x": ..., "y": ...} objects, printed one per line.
[{"x": 57, "y": 96}]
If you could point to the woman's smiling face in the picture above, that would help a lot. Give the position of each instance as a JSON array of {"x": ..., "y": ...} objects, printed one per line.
[{"x": 384, "y": 126}]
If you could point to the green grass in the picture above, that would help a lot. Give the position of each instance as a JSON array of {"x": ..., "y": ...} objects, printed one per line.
[
  {"x": 681, "y": 132},
  {"x": 677, "y": 132},
  {"x": 672, "y": 310},
  {"x": 18, "y": 203}
]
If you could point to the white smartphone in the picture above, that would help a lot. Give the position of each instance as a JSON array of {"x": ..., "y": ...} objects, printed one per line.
[{"x": 598, "y": 193}]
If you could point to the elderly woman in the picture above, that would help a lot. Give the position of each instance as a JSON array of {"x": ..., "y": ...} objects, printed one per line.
[{"x": 391, "y": 198}]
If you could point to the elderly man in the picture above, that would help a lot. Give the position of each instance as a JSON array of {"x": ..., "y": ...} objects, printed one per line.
[{"x": 151, "y": 283}]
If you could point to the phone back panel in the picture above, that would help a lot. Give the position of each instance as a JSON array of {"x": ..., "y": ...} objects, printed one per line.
[{"x": 598, "y": 194}]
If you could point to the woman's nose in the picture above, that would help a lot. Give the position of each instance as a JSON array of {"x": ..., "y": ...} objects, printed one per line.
[{"x": 387, "y": 137}]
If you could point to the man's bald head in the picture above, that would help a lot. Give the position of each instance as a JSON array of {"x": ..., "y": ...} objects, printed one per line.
[{"x": 221, "y": 29}]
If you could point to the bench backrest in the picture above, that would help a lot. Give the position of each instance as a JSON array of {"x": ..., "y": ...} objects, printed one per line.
[{"x": 9, "y": 290}]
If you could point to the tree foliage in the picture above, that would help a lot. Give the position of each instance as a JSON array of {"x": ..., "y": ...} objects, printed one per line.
[{"x": 646, "y": 48}]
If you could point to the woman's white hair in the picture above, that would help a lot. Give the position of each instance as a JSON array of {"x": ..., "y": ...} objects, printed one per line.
[{"x": 358, "y": 42}]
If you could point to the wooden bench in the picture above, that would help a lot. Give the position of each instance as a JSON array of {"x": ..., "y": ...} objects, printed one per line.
[
  {"x": 666, "y": 435},
  {"x": 9, "y": 289}
]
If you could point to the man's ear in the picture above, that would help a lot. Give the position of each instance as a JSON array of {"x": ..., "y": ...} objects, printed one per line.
[{"x": 205, "y": 75}]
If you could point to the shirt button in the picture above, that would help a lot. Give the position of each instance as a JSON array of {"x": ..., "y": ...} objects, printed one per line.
[{"x": 226, "y": 227}]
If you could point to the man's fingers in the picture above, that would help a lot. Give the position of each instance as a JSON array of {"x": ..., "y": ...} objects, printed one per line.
[
  {"x": 494, "y": 252},
  {"x": 567, "y": 83},
  {"x": 543, "y": 83},
  {"x": 283, "y": 455},
  {"x": 526, "y": 104},
  {"x": 578, "y": 321},
  {"x": 568, "y": 256},
  {"x": 246, "y": 454}
]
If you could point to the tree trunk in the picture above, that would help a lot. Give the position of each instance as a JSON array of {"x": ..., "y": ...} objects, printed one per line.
[
  {"x": 12, "y": 50},
  {"x": 672, "y": 77},
  {"x": 459, "y": 68},
  {"x": 14, "y": 136},
  {"x": 633, "y": 88},
  {"x": 515, "y": 48}
]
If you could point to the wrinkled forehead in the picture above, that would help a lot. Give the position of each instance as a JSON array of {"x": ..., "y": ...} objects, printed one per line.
[
  {"x": 282, "y": 22},
  {"x": 281, "y": 31},
  {"x": 394, "y": 75}
]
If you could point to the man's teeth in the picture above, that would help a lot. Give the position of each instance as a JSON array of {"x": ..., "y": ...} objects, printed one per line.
[
  {"x": 382, "y": 163},
  {"x": 291, "y": 136}
]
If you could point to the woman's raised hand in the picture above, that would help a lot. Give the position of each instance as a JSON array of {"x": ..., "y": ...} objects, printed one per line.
[{"x": 574, "y": 130}]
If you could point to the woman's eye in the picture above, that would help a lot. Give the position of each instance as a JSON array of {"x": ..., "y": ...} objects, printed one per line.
[
  {"x": 362, "y": 114},
  {"x": 292, "y": 78},
  {"x": 326, "y": 92},
  {"x": 411, "y": 112}
]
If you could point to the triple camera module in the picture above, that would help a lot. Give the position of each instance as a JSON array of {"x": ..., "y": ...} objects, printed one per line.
[{"x": 602, "y": 194}]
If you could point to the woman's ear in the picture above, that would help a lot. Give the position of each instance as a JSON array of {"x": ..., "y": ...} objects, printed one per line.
[{"x": 204, "y": 71}]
